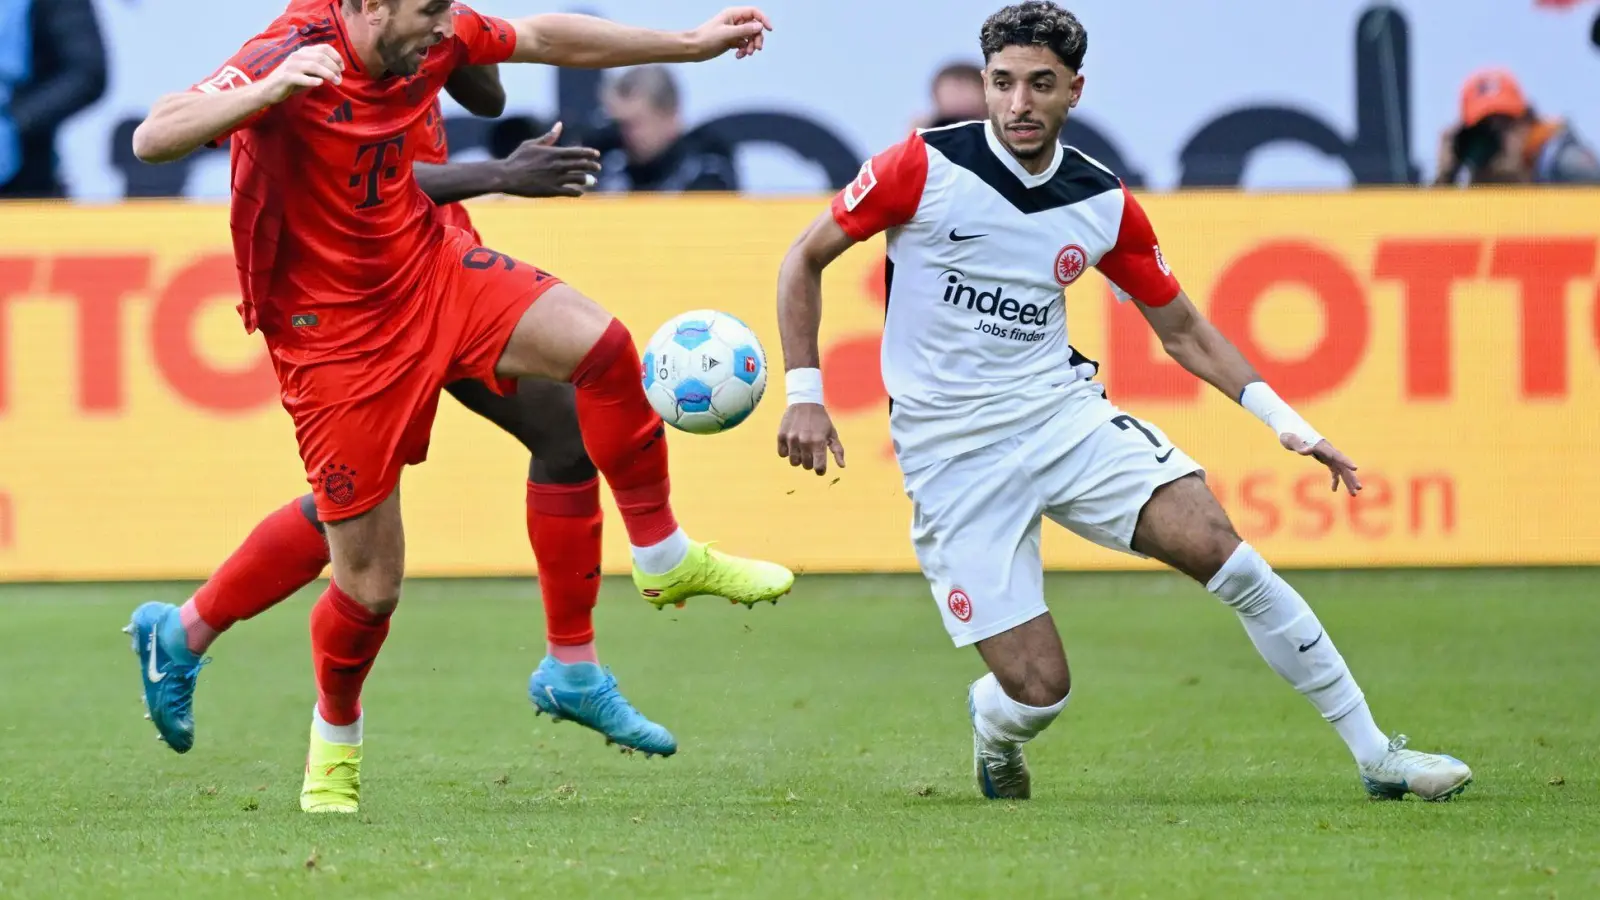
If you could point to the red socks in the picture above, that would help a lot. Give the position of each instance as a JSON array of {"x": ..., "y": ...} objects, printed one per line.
[
  {"x": 564, "y": 526},
  {"x": 283, "y": 554},
  {"x": 345, "y": 639},
  {"x": 624, "y": 436}
]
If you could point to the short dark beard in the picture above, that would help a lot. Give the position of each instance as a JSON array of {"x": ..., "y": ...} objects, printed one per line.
[
  {"x": 999, "y": 130},
  {"x": 396, "y": 63}
]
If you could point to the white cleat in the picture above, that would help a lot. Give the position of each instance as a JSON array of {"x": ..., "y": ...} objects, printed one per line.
[
  {"x": 1431, "y": 776},
  {"x": 1002, "y": 771}
]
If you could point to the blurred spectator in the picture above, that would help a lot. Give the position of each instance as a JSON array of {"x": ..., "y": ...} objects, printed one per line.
[
  {"x": 645, "y": 149},
  {"x": 52, "y": 67},
  {"x": 13, "y": 70},
  {"x": 957, "y": 92},
  {"x": 1502, "y": 140}
]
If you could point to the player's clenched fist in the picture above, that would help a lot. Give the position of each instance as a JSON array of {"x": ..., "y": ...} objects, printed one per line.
[
  {"x": 807, "y": 436},
  {"x": 305, "y": 69},
  {"x": 740, "y": 28}
]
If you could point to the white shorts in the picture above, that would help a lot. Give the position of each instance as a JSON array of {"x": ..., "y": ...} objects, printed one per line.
[{"x": 976, "y": 518}]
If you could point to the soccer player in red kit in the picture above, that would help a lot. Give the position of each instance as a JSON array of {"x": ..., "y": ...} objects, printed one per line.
[
  {"x": 370, "y": 304},
  {"x": 287, "y": 551}
]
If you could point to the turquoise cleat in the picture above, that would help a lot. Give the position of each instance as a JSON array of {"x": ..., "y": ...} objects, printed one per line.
[
  {"x": 168, "y": 670},
  {"x": 587, "y": 694},
  {"x": 1001, "y": 768}
]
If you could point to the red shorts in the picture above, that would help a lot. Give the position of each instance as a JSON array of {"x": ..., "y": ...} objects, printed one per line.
[{"x": 364, "y": 407}]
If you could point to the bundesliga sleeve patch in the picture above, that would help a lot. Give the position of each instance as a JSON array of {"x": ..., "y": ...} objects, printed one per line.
[
  {"x": 226, "y": 80},
  {"x": 858, "y": 190}
]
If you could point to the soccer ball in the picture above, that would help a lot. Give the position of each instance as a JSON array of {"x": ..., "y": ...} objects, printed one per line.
[{"x": 704, "y": 371}]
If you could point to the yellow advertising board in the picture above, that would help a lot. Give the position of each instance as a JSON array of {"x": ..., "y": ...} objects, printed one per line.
[{"x": 1449, "y": 341}]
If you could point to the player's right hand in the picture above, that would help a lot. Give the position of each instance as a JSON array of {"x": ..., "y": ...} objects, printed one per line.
[
  {"x": 306, "y": 68},
  {"x": 806, "y": 437},
  {"x": 1340, "y": 467},
  {"x": 741, "y": 28},
  {"x": 538, "y": 168}
]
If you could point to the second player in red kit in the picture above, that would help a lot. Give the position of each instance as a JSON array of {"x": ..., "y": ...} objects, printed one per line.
[
  {"x": 370, "y": 304},
  {"x": 368, "y": 301}
]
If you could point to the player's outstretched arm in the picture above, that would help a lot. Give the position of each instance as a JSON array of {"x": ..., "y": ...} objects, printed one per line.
[
  {"x": 1196, "y": 344},
  {"x": 587, "y": 42},
  {"x": 537, "y": 168},
  {"x": 180, "y": 124},
  {"x": 806, "y": 435},
  {"x": 478, "y": 90}
]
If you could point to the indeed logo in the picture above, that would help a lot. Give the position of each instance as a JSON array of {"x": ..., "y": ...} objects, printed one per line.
[{"x": 990, "y": 303}]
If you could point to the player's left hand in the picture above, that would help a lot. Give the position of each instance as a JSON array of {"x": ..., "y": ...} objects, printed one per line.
[
  {"x": 1339, "y": 466},
  {"x": 741, "y": 28},
  {"x": 806, "y": 437},
  {"x": 539, "y": 168}
]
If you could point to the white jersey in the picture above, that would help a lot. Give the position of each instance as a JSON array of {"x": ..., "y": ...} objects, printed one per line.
[{"x": 980, "y": 253}]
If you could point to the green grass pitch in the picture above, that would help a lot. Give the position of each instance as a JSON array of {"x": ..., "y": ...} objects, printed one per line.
[{"x": 825, "y": 751}]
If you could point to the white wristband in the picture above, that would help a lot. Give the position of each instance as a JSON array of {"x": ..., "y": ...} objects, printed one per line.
[
  {"x": 1265, "y": 404},
  {"x": 803, "y": 386}
]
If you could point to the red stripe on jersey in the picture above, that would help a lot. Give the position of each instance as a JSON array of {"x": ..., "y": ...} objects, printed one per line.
[
  {"x": 1135, "y": 264},
  {"x": 887, "y": 191}
]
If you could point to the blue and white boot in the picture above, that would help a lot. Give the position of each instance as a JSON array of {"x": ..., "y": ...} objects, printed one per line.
[
  {"x": 168, "y": 670},
  {"x": 1431, "y": 776},
  {"x": 1001, "y": 768},
  {"x": 587, "y": 694}
]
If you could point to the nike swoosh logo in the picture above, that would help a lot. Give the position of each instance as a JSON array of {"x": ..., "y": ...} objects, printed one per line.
[
  {"x": 154, "y": 675},
  {"x": 1305, "y": 647},
  {"x": 1165, "y": 456},
  {"x": 964, "y": 237}
]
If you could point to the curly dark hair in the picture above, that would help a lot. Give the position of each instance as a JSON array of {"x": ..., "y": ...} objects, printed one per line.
[{"x": 1036, "y": 23}]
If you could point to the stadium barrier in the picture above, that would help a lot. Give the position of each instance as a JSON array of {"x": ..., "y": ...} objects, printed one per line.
[{"x": 1448, "y": 341}]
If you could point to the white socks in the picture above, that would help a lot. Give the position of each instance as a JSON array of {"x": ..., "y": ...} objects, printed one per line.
[
  {"x": 1366, "y": 742},
  {"x": 1289, "y": 637},
  {"x": 659, "y": 559},
  {"x": 348, "y": 735},
  {"x": 1002, "y": 720}
]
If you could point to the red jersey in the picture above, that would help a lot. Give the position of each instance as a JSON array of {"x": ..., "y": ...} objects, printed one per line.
[
  {"x": 433, "y": 148},
  {"x": 326, "y": 215}
]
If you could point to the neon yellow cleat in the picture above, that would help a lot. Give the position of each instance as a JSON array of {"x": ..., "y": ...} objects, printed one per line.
[
  {"x": 333, "y": 777},
  {"x": 708, "y": 572}
]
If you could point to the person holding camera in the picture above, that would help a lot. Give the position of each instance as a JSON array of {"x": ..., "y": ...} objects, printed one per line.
[{"x": 1501, "y": 140}]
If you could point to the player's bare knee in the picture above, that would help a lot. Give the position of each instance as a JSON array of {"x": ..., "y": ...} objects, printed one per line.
[
  {"x": 1214, "y": 543},
  {"x": 1044, "y": 692},
  {"x": 372, "y": 579},
  {"x": 1036, "y": 681},
  {"x": 1029, "y": 662},
  {"x": 554, "y": 336},
  {"x": 368, "y": 553},
  {"x": 375, "y": 587},
  {"x": 1184, "y": 526},
  {"x": 1052, "y": 685},
  {"x": 1217, "y": 545}
]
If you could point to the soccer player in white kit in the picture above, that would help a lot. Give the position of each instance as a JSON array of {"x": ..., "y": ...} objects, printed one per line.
[{"x": 997, "y": 421}]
